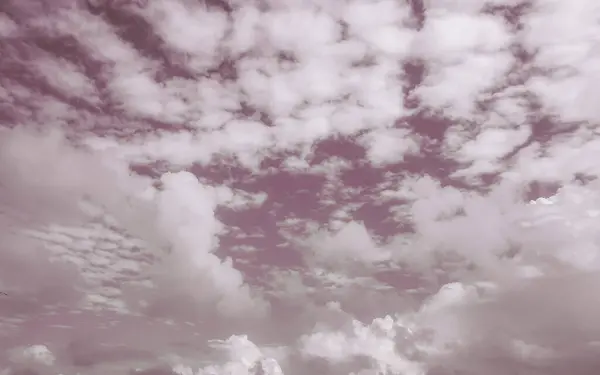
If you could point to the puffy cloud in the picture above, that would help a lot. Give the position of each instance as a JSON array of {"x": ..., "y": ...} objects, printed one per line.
[{"x": 375, "y": 161}]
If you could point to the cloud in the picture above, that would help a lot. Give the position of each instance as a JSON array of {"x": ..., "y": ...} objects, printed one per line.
[{"x": 375, "y": 160}]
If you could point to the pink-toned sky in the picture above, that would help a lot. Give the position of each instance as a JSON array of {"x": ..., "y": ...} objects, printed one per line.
[{"x": 366, "y": 187}]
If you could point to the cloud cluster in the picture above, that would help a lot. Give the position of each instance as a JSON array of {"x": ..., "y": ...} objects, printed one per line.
[{"x": 366, "y": 187}]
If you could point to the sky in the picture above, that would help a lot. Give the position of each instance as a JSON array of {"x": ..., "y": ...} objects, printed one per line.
[{"x": 345, "y": 187}]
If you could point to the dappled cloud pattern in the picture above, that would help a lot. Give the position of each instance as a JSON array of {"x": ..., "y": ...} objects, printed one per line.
[{"x": 211, "y": 187}]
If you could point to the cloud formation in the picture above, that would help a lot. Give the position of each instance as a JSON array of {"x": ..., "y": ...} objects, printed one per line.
[{"x": 267, "y": 187}]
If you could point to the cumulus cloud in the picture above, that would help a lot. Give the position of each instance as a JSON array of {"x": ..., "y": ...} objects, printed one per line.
[{"x": 302, "y": 187}]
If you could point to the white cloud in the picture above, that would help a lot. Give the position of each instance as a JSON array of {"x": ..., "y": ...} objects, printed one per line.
[
  {"x": 88, "y": 244},
  {"x": 365, "y": 17},
  {"x": 190, "y": 29},
  {"x": 131, "y": 85},
  {"x": 290, "y": 133},
  {"x": 319, "y": 79},
  {"x": 565, "y": 40},
  {"x": 466, "y": 54},
  {"x": 389, "y": 145},
  {"x": 490, "y": 145},
  {"x": 370, "y": 341},
  {"x": 448, "y": 36},
  {"x": 303, "y": 31},
  {"x": 466, "y": 6},
  {"x": 67, "y": 78},
  {"x": 455, "y": 87},
  {"x": 37, "y": 357},
  {"x": 245, "y": 33},
  {"x": 186, "y": 209},
  {"x": 187, "y": 223},
  {"x": 352, "y": 244},
  {"x": 52, "y": 185}
]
